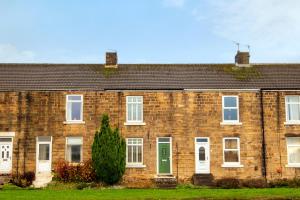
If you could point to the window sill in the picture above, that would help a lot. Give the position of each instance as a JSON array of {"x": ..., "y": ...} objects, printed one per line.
[
  {"x": 74, "y": 122},
  {"x": 293, "y": 165},
  {"x": 292, "y": 123},
  {"x": 74, "y": 163},
  {"x": 134, "y": 123},
  {"x": 232, "y": 165},
  {"x": 231, "y": 123},
  {"x": 136, "y": 166}
]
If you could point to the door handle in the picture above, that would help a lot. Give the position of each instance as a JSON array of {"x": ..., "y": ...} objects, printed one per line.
[{"x": 164, "y": 160}]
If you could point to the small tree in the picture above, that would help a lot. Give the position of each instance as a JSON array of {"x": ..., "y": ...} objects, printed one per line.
[{"x": 108, "y": 153}]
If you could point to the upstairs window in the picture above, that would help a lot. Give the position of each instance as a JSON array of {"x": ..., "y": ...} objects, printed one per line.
[
  {"x": 293, "y": 150},
  {"x": 230, "y": 106},
  {"x": 292, "y": 108},
  {"x": 74, "y": 149},
  {"x": 74, "y": 107},
  {"x": 134, "y": 151},
  {"x": 231, "y": 148},
  {"x": 134, "y": 108}
]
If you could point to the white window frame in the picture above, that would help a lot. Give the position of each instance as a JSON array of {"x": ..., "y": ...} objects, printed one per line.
[
  {"x": 232, "y": 164},
  {"x": 81, "y": 113},
  {"x": 231, "y": 122},
  {"x": 135, "y": 122},
  {"x": 287, "y": 110},
  {"x": 135, "y": 164},
  {"x": 81, "y": 149},
  {"x": 288, "y": 155}
]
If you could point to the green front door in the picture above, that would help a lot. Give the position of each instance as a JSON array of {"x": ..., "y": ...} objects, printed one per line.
[{"x": 164, "y": 158}]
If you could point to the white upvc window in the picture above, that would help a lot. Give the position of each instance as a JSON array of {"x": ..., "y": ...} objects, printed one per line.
[
  {"x": 292, "y": 108},
  {"x": 230, "y": 109},
  {"x": 74, "y": 149},
  {"x": 134, "y": 109},
  {"x": 293, "y": 151},
  {"x": 74, "y": 108},
  {"x": 134, "y": 152},
  {"x": 231, "y": 152}
]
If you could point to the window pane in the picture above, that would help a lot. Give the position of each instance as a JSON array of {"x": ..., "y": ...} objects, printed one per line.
[
  {"x": 230, "y": 114},
  {"x": 201, "y": 140},
  {"x": 129, "y": 117},
  {"x": 44, "y": 151},
  {"x": 134, "y": 149},
  {"x": 5, "y": 139},
  {"x": 134, "y": 112},
  {"x": 201, "y": 154},
  {"x": 294, "y": 154},
  {"x": 76, "y": 111},
  {"x": 44, "y": 138},
  {"x": 76, "y": 98},
  {"x": 74, "y": 140},
  {"x": 139, "y": 159},
  {"x": 231, "y": 156},
  {"x": 163, "y": 139},
  {"x": 139, "y": 112},
  {"x": 231, "y": 144},
  {"x": 75, "y": 153},
  {"x": 130, "y": 141},
  {"x": 139, "y": 99},
  {"x": 129, "y": 99},
  {"x": 69, "y": 111},
  {"x": 293, "y": 141},
  {"x": 129, "y": 153},
  {"x": 230, "y": 102},
  {"x": 294, "y": 99},
  {"x": 294, "y": 111}
]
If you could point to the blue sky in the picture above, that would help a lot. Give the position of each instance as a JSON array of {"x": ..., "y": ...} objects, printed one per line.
[{"x": 148, "y": 31}]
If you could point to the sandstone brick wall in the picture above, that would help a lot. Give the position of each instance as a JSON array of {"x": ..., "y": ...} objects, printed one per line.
[
  {"x": 182, "y": 115},
  {"x": 276, "y": 132}
]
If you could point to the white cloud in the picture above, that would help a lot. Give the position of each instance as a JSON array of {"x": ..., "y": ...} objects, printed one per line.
[
  {"x": 174, "y": 3},
  {"x": 271, "y": 27},
  {"x": 11, "y": 54}
]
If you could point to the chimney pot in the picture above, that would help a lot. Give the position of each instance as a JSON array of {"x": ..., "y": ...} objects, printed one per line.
[
  {"x": 242, "y": 59},
  {"x": 111, "y": 60}
]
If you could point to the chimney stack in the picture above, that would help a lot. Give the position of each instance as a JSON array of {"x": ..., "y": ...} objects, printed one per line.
[
  {"x": 242, "y": 59},
  {"x": 111, "y": 59}
]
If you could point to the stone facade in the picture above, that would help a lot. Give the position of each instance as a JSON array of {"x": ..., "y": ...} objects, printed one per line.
[
  {"x": 276, "y": 131},
  {"x": 181, "y": 115}
]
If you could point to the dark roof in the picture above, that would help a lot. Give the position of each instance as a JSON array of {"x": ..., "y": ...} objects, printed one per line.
[{"x": 15, "y": 77}]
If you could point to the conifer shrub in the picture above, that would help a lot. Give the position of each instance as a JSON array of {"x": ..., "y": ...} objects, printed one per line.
[{"x": 108, "y": 153}]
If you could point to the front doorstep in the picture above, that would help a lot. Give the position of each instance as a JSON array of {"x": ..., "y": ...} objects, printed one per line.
[
  {"x": 165, "y": 181},
  {"x": 5, "y": 177},
  {"x": 42, "y": 179},
  {"x": 203, "y": 179}
]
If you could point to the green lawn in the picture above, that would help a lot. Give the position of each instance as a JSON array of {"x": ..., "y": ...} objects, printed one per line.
[{"x": 73, "y": 194}]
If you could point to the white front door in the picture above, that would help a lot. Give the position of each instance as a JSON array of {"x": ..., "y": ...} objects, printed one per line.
[
  {"x": 44, "y": 148},
  {"x": 202, "y": 157},
  {"x": 5, "y": 155}
]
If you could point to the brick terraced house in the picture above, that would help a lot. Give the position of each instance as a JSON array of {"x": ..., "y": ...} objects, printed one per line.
[{"x": 182, "y": 122}]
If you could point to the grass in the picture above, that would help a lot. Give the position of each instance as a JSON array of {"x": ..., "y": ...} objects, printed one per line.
[{"x": 12, "y": 192}]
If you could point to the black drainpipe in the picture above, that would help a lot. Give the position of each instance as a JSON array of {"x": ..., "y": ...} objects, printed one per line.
[{"x": 263, "y": 148}]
